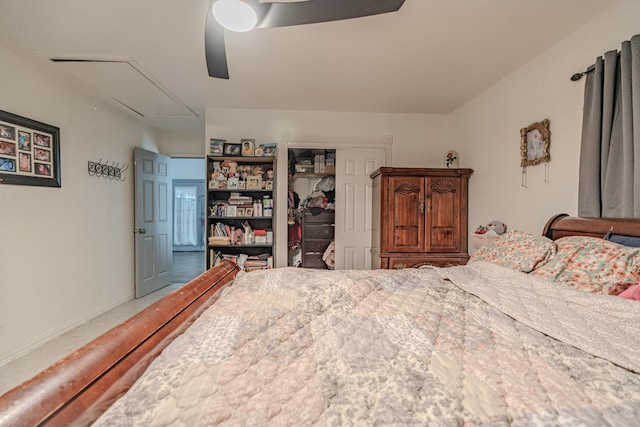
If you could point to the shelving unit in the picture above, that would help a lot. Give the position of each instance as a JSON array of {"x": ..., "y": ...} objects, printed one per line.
[{"x": 251, "y": 210}]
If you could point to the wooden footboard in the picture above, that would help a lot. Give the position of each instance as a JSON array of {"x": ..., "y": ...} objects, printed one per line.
[{"x": 80, "y": 387}]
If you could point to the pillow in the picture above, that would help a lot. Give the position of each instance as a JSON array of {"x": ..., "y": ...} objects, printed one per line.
[
  {"x": 593, "y": 265},
  {"x": 517, "y": 250},
  {"x": 622, "y": 239},
  {"x": 632, "y": 292}
]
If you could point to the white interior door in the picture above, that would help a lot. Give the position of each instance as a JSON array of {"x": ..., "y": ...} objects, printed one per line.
[
  {"x": 152, "y": 222},
  {"x": 353, "y": 206}
]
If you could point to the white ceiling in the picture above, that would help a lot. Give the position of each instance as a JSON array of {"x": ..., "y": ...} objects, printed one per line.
[{"x": 431, "y": 56}]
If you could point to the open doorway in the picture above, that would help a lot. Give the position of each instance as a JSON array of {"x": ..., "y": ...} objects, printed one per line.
[{"x": 188, "y": 218}]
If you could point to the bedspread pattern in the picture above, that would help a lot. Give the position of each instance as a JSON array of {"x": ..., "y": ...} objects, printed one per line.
[{"x": 301, "y": 347}]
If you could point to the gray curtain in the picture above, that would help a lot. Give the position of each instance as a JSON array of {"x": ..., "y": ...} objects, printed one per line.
[{"x": 610, "y": 152}]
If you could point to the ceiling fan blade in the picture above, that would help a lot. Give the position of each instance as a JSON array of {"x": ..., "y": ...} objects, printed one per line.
[
  {"x": 314, "y": 11},
  {"x": 214, "y": 48}
]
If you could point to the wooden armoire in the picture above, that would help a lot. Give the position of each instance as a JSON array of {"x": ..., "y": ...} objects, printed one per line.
[{"x": 419, "y": 217}]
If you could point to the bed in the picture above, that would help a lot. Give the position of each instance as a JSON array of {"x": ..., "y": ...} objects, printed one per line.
[{"x": 532, "y": 331}]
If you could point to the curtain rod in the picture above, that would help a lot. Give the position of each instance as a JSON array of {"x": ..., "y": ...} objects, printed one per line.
[{"x": 578, "y": 76}]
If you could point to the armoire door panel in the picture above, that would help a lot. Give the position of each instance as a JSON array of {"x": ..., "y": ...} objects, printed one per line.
[
  {"x": 407, "y": 214},
  {"x": 443, "y": 217}
]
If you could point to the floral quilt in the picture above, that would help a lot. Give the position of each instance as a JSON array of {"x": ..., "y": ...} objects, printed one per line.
[{"x": 453, "y": 346}]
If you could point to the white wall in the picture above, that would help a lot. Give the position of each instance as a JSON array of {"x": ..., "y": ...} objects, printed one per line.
[
  {"x": 189, "y": 168},
  {"x": 66, "y": 254},
  {"x": 177, "y": 144},
  {"x": 419, "y": 140},
  {"x": 489, "y": 126}
]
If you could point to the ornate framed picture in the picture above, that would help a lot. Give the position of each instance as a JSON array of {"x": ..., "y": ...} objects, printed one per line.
[
  {"x": 29, "y": 152},
  {"x": 535, "y": 140}
]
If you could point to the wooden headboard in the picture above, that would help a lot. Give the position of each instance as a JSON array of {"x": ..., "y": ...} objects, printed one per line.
[
  {"x": 79, "y": 388},
  {"x": 564, "y": 225}
]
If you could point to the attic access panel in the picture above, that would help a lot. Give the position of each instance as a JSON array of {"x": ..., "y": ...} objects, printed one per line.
[{"x": 127, "y": 84}]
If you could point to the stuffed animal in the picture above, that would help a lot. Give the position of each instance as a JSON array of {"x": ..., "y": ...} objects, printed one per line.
[{"x": 497, "y": 226}]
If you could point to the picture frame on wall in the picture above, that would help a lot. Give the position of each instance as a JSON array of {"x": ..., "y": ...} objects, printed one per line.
[
  {"x": 29, "y": 151},
  {"x": 535, "y": 141}
]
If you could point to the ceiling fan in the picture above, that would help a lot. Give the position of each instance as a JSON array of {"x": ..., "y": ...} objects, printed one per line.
[{"x": 282, "y": 13}]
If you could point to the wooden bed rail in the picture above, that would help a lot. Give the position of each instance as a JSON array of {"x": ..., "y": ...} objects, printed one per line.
[{"x": 80, "y": 387}]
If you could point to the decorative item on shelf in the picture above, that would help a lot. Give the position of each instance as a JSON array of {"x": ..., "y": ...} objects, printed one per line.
[
  {"x": 248, "y": 147},
  {"x": 267, "y": 150},
  {"x": 216, "y": 147},
  {"x": 254, "y": 182},
  {"x": 106, "y": 170},
  {"x": 232, "y": 183},
  {"x": 232, "y": 149},
  {"x": 451, "y": 160}
]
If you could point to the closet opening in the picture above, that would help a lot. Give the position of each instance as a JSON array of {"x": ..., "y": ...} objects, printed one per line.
[{"x": 311, "y": 208}]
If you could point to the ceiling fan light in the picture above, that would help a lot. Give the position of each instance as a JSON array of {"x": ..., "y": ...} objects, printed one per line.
[{"x": 234, "y": 15}]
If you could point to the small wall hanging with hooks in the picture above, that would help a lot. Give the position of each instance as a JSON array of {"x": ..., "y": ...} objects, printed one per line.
[{"x": 107, "y": 170}]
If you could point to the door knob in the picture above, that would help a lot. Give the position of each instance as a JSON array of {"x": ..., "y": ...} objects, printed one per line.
[{"x": 139, "y": 230}]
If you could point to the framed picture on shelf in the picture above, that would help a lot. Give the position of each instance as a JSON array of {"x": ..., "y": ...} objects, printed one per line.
[
  {"x": 248, "y": 146},
  {"x": 232, "y": 183},
  {"x": 254, "y": 182},
  {"x": 231, "y": 149},
  {"x": 242, "y": 184},
  {"x": 232, "y": 210},
  {"x": 29, "y": 152},
  {"x": 217, "y": 147},
  {"x": 240, "y": 211},
  {"x": 268, "y": 150},
  {"x": 248, "y": 211},
  {"x": 268, "y": 185}
]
